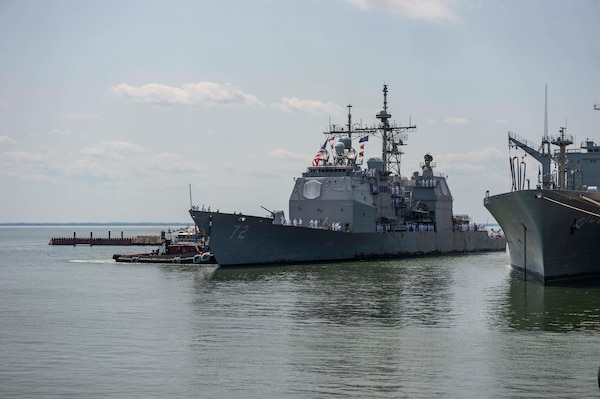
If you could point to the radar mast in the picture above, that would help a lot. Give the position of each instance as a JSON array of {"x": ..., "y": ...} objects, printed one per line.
[{"x": 393, "y": 137}]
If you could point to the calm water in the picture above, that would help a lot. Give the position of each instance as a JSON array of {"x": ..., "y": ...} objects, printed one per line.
[{"x": 73, "y": 324}]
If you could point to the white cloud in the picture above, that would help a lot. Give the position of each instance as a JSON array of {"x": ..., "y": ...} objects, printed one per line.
[
  {"x": 121, "y": 145},
  {"x": 113, "y": 148},
  {"x": 7, "y": 139},
  {"x": 93, "y": 151},
  {"x": 469, "y": 162},
  {"x": 32, "y": 177},
  {"x": 456, "y": 121},
  {"x": 58, "y": 132},
  {"x": 174, "y": 163},
  {"x": 211, "y": 93},
  {"x": 501, "y": 121},
  {"x": 80, "y": 115},
  {"x": 25, "y": 156},
  {"x": 285, "y": 154},
  {"x": 429, "y": 10},
  {"x": 294, "y": 104},
  {"x": 89, "y": 171},
  {"x": 202, "y": 93}
]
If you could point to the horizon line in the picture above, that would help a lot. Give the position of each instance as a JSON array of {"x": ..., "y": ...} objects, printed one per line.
[{"x": 92, "y": 223}]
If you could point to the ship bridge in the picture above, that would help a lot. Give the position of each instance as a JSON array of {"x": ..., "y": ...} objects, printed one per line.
[{"x": 332, "y": 170}]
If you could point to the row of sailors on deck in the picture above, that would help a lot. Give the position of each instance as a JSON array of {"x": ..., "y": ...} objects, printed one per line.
[
  {"x": 420, "y": 227},
  {"x": 469, "y": 227},
  {"x": 399, "y": 190},
  {"x": 204, "y": 209},
  {"x": 409, "y": 226},
  {"x": 295, "y": 222},
  {"x": 427, "y": 182},
  {"x": 336, "y": 226},
  {"x": 370, "y": 172}
]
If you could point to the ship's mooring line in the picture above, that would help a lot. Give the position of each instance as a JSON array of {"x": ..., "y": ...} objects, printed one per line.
[
  {"x": 569, "y": 206},
  {"x": 590, "y": 200}
]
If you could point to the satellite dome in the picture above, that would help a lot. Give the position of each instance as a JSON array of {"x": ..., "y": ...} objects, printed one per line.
[
  {"x": 347, "y": 142},
  {"x": 375, "y": 163},
  {"x": 339, "y": 148}
]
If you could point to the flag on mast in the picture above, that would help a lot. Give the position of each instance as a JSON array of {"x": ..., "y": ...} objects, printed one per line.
[
  {"x": 322, "y": 153},
  {"x": 361, "y": 153}
]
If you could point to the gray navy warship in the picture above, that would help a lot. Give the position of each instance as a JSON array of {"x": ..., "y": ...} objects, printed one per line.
[
  {"x": 339, "y": 210},
  {"x": 552, "y": 229}
]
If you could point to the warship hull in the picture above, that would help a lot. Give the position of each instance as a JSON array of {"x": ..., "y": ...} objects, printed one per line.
[
  {"x": 551, "y": 234},
  {"x": 237, "y": 240}
]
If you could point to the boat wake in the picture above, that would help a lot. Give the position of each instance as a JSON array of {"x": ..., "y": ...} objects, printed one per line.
[{"x": 93, "y": 261}]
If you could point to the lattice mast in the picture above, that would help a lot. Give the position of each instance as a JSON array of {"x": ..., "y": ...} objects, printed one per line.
[{"x": 392, "y": 138}]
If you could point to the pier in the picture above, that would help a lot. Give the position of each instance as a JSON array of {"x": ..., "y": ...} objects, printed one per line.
[{"x": 119, "y": 241}]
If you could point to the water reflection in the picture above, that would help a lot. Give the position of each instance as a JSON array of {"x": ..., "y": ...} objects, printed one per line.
[
  {"x": 437, "y": 327},
  {"x": 401, "y": 292},
  {"x": 530, "y": 306},
  {"x": 385, "y": 293},
  {"x": 350, "y": 329}
]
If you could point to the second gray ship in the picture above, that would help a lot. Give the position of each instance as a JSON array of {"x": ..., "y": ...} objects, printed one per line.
[
  {"x": 339, "y": 210},
  {"x": 552, "y": 229}
]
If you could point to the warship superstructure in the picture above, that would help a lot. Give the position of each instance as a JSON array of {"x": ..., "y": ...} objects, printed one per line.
[
  {"x": 553, "y": 228},
  {"x": 340, "y": 210}
]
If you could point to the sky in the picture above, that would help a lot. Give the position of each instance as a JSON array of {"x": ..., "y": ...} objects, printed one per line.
[{"x": 111, "y": 110}]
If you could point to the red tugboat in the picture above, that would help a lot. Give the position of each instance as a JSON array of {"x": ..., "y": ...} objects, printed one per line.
[{"x": 187, "y": 247}]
